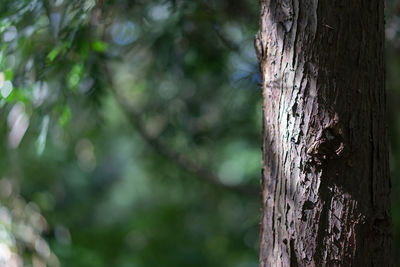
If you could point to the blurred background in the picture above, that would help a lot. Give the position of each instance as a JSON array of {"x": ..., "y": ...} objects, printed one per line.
[{"x": 131, "y": 132}]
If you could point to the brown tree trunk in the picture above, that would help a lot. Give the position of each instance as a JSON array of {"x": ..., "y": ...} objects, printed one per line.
[{"x": 325, "y": 176}]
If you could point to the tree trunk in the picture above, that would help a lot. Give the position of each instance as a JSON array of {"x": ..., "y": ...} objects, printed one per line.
[{"x": 325, "y": 176}]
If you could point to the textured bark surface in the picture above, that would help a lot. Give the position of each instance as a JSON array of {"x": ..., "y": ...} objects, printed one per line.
[{"x": 325, "y": 176}]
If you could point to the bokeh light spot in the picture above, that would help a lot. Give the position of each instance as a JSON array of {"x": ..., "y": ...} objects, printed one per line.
[
  {"x": 124, "y": 32},
  {"x": 6, "y": 89},
  {"x": 159, "y": 12}
]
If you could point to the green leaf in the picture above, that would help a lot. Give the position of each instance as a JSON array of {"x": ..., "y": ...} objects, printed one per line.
[
  {"x": 75, "y": 76},
  {"x": 61, "y": 48},
  {"x": 18, "y": 95},
  {"x": 100, "y": 46},
  {"x": 65, "y": 117},
  {"x": 4, "y": 26},
  {"x": 8, "y": 74}
]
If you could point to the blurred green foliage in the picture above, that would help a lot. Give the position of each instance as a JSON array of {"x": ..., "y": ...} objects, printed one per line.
[
  {"x": 84, "y": 184},
  {"x": 107, "y": 197}
]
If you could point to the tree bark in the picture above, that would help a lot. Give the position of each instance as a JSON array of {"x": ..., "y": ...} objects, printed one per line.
[{"x": 325, "y": 176}]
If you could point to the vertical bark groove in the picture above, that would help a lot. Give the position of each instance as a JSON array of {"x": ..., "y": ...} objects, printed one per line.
[{"x": 325, "y": 179}]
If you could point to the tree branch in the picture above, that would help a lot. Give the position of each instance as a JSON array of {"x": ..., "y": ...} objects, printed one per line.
[{"x": 177, "y": 158}]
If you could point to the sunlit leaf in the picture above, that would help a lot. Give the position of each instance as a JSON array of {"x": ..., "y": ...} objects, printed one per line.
[
  {"x": 18, "y": 95},
  {"x": 8, "y": 74},
  {"x": 75, "y": 76},
  {"x": 99, "y": 46},
  {"x": 65, "y": 117},
  {"x": 41, "y": 141},
  {"x": 57, "y": 51},
  {"x": 4, "y": 26}
]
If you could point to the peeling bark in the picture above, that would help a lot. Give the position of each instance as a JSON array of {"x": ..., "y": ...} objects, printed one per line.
[{"x": 325, "y": 176}]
